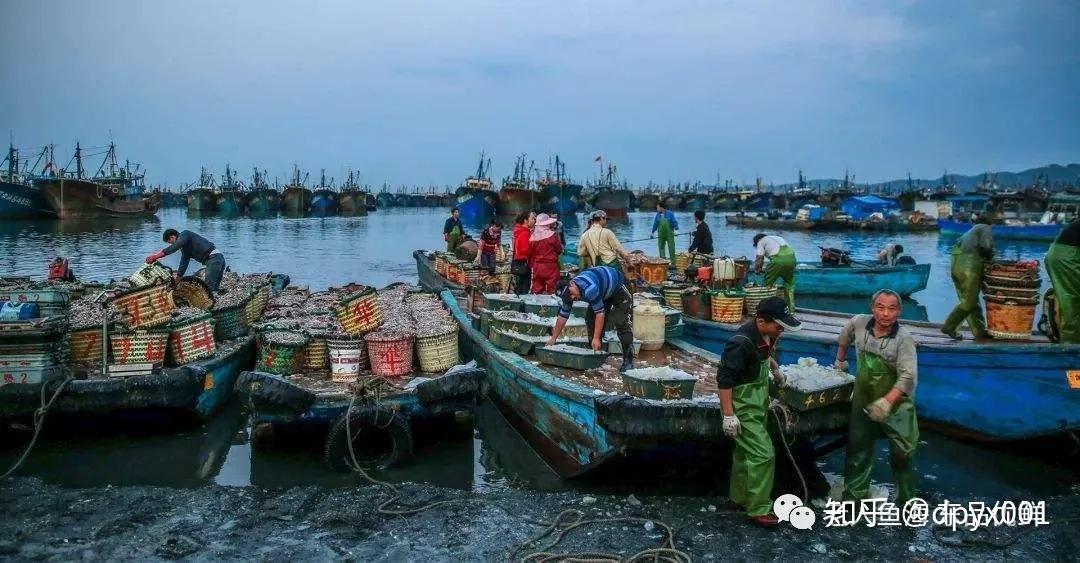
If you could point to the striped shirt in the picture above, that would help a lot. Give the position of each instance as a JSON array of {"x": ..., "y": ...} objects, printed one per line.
[{"x": 597, "y": 284}]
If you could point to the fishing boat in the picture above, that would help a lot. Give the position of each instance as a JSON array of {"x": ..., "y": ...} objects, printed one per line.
[
  {"x": 296, "y": 199},
  {"x": 648, "y": 199},
  {"x": 230, "y": 197},
  {"x": 517, "y": 194},
  {"x": 113, "y": 191},
  {"x": 609, "y": 197},
  {"x": 1009, "y": 231},
  {"x": 19, "y": 198},
  {"x": 476, "y": 198},
  {"x": 995, "y": 390},
  {"x": 558, "y": 194},
  {"x": 370, "y": 201},
  {"x": 324, "y": 199},
  {"x": 813, "y": 278},
  {"x": 579, "y": 422},
  {"x": 263, "y": 200},
  {"x": 672, "y": 200},
  {"x": 201, "y": 198},
  {"x": 694, "y": 201},
  {"x": 385, "y": 199},
  {"x": 352, "y": 201}
]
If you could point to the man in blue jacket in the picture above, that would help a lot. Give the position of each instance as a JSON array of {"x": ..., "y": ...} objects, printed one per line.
[
  {"x": 192, "y": 245},
  {"x": 667, "y": 227}
]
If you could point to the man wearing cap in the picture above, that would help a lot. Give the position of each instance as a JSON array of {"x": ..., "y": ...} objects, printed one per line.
[
  {"x": 882, "y": 404},
  {"x": 743, "y": 381},
  {"x": 604, "y": 289},
  {"x": 598, "y": 245},
  {"x": 192, "y": 245}
]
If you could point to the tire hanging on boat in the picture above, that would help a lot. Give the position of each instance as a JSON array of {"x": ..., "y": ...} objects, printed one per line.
[
  {"x": 270, "y": 393},
  {"x": 368, "y": 423}
]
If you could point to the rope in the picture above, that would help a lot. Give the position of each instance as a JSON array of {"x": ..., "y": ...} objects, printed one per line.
[
  {"x": 777, "y": 406},
  {"x": 39, "y": 423},
  {"x": 666, "y": 553}
]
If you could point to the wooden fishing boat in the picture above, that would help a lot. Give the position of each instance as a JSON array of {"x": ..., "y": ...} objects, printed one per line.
[
  {"x": 609, "y": 197},
  {"x": 813, "y": 278},
  {"x": 114, "y": 191},
  {"x": 995, "y": 390},
  {"x": 429, "y": 278},
  {"x": 19, "y": 198},
  {"x": 579, "y": 422},
  {"x": 559, "y": 195},
  {"x": 324, "y": 199},
  {"x": 262, "y": 199},
  {"x": 1031, "y": 231}
]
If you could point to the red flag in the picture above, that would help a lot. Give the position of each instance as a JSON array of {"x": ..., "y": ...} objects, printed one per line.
[{"x": 598, "y": 158}]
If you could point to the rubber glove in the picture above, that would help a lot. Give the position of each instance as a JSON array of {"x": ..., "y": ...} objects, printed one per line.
[
  {"x": 879, "y": 410},
  {"x": 840, "y": 365},
  {"x": 778, "y": 377},
  {"x": 155, "y": 257},
  {"x": 732, "y": 426}
]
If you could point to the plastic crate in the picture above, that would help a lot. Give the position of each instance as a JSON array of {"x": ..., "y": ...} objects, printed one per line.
[
  {"x": 571, "y": 357},
  {"x": 662, "y": 384}
]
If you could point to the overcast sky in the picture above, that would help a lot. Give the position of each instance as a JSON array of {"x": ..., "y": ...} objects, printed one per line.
[{"x": 411, "y": 92}]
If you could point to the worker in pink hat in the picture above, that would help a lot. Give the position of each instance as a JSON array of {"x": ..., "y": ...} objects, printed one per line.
[{"x": 544, "y": 251}]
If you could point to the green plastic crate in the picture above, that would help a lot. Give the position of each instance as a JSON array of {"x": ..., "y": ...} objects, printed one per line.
[
  {"x": 672, "y": 317},
  {"x": 502, "y": 302},
  {"x": 571, "y": 357},
  {"x": 513, "y": 342},
  {"x": 542, "y": 305},
  {"x": 672, "y": 385},
  {"x": 673, "y": 331},
  {"x": 810, "y": 400}
]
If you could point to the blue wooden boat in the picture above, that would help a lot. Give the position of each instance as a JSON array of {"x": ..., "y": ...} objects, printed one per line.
[
  {"x": 19, "y": 198},
  {"x": 997, "y": 390},
  {"x": 577, "y": 429},
  {"x": 812, "y": 278},
  {"x": 1033, "y": 231}
]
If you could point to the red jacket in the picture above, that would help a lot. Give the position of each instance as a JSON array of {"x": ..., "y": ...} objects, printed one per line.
[
  {"x": 521, "y": 242},
  {"x": 544, "y": 254}
]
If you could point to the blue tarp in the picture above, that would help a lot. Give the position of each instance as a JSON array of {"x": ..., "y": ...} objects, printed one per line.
[{"x": 862, "y": 206}]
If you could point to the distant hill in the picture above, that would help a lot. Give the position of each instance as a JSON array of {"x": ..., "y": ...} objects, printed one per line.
[{"x": 1055, "y": 174}]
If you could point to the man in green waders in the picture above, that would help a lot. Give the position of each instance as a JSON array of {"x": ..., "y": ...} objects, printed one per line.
[
  {"x": 968, "y": 257},
  {"x": 882, "y": 405},
  {"x": 665, "y": 227},
  {"x": 452, "y": 230},
  {"x": 781, "y": 263},
  {"x": 1063, "y": 265},
  {"x": 743, "y": 381}
]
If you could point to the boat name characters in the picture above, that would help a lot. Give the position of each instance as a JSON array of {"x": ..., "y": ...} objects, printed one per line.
[{"x": 17, "y": 200}]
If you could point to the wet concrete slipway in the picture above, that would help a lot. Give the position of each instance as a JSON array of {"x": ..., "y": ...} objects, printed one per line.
[{"x": 203, "y": 492}]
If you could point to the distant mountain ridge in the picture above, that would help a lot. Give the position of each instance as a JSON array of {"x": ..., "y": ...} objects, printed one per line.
[{"x": 1054, "y": 174}]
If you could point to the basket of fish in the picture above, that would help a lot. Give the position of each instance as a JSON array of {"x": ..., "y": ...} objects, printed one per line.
[
  {"x": 809, "y": 386},
  {"x": 139, "y": 347},
  {"x": 570, "y": 356},
  {"x": 659, "y": 383},
  {"x": 145, "y": 307},
  {"x": 150, "y": 274},
  {"x": 281, "y": 351},
  {"x": 229, "y": 319},
  {"x": 191, "y": 337},
  {"x": 359, "y": 313},
  {"x": 256, "y": 305}
]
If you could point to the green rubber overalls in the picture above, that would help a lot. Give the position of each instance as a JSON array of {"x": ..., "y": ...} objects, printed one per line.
[
  {"x": 1063, "y": 265},
  {"x": 753, "y": 461},
  {"x": 665, "y": 238},
  {"x": 782, "y": 267},
  {"x": 967, "y": 275},
  {"x": 872, "y": 381},
  {"x": 452, "y": 238}
]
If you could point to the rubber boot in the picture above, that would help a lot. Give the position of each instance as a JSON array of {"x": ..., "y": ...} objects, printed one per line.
[{"x": 627, "y": 362}]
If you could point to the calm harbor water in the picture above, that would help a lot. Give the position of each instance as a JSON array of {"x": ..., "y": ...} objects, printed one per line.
[{"x": 377, "y": 249}]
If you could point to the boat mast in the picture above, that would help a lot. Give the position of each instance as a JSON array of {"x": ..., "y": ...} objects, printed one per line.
[
  {"x": 78, "y": 161},
  {"x": 13, "y": 162}
]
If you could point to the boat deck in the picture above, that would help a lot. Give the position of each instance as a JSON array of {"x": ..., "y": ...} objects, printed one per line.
[
  {"x": 829, "y": 325},
  {"x": 608, "y": 379}
]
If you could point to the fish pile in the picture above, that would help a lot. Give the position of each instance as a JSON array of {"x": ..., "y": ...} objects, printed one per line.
[
  {"x": 807, "y": 376},
  {"x": 185, "y": 313},
  {"x": 429, "y": 316},
  {"x": 85, "y": 313},
  {"x": 285, "y": 337}
]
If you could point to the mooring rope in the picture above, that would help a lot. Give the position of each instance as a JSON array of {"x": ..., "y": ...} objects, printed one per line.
[{"x": 39, "y": 422}]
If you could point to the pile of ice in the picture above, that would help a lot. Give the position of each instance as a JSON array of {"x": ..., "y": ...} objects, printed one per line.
[
  {"x": 665, "y": 373},
  {"x": 571, "y": 349},
  {"x": 807, "y": 376}
]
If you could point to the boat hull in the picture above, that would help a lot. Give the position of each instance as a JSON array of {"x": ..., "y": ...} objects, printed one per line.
[
  {"x": 23, "y": 201},
  {"x": 384, "y": 200},
  {"x": 263, "y": 202},
  {"x": 201, "y": 200},
  {"x": 324, "y": 203},
  {"x": 563, "y": 199},
  {"x": 647, "y": 202},
  {"x": 296, "y": 201},
  {"x": 230, "y": 203},
  {"x": 518, "y": 200},
  {"x": 616, "y": 203},
  {"x": 352, "y": 204},
  {"x": 84, "y": 199},
  {"x": 1045, "y": 233},
  {"x": 814, "y": 279},
  {"x": 695, "y": 201},
  {"x": 1002, "y": 391},
  {"x": 476, "y": 206}
]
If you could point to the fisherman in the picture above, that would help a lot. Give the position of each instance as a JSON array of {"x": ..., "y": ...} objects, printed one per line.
[
  {"x": 490, "y": 239},
  {"x": 781, "y": 263},
  {"x": 598, "y": 246},
  {"x": 519, "y": 266},
  {"x": 192, "y": 246},
  {"x": 1063, "y": 266},
  {"x": 882, "y": 404},
  {"x": 605, "y": 290},
  {"x": 889, "y": 253},
  {"x": 968, "y": 257},
  {"x": 664, "y": 228},
  {"x": 743, "y": 380},
  {"x": 452, "y": 230},
  {"x": 702, "y": 237}
]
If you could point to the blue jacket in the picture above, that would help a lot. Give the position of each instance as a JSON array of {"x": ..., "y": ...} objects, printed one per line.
[
  {"x": 670, "y": 217},
  {"x": 191, "y": 246}
]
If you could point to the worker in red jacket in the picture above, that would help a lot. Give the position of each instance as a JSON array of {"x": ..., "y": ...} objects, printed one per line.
[
  {"x": 519, "y": 267},
  {"x": 544, "y": 251}
]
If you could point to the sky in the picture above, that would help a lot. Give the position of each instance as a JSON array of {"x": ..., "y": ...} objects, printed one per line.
[{"x": 410, "y": 92}]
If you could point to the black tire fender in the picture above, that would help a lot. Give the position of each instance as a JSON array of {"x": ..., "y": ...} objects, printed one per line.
[
  {"x": 270, "y": 393},
  {"x": 371, "y": 425}
]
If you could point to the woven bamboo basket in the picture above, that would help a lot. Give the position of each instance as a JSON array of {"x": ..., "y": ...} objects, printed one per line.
[
  {"x": 193, "y": 292},
  {"x": 673, "y": 296},
  {"x": 1032, "y": 283},
  {"x": 682, "y": 261},
  {"x": 85, "y": 345},
  {"x": 727, "y": 309},
  {"x": 359, "y": 313},
  {"x": 317, "y": 354},
  {"x": 474, "y": 276},
  {"x": 191, "y": 340},
  {"x": 755, "y": 294},
  {"x": 139, "y": 347},
  {"x": 391, "y": 355},
  {"x": 256, "y": 305},
  {"x": 438, "y": 352},
  {"x": 145, "y": 307},
  {"x": 1016, "y": 270},
  {"x": 280, "y": 358},
  {"x": 149, "y": 274},
  {"x": 1010, "y": 292},
  {"x": 1010, "y": 319},
  {"x": 230, "y": 322},
  {"x": 440, "y": 264},
  {"x": 654, "y": 272}
]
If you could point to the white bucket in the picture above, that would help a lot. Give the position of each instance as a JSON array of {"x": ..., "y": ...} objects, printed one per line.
[
  {"x": 649, "y": 324},
  {"x": 346, "y": 361},
  {"x": 724, "y": 269}
]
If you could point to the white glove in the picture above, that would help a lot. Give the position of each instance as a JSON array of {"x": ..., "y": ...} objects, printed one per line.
[
  {"x": 732, "y": 426},
  {"x": 840, "y": 365},
  {"x": 878, "y": 411}
]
